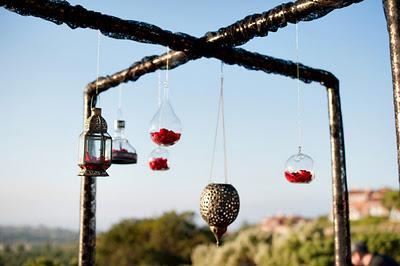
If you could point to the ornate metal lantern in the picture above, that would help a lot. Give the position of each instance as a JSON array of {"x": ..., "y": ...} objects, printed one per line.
[
  {"x": 95, "y": 146},
  {"x": 219, "y": 207}
]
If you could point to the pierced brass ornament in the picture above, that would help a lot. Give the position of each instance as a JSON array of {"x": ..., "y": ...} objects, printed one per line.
[{"x": 219, "y": 207}]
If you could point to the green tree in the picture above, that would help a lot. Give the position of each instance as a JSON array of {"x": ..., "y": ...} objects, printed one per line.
[
  {"x": 39, "y": 255},
  {"x": 166, "y": 240},
  {"x": 41, "y": 261},
  {"x": 310, "y": 244},
  {"x": 391, "y": 199}
]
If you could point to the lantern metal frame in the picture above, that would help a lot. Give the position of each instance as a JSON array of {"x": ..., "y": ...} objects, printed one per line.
[{"x": 219, "y": 45}]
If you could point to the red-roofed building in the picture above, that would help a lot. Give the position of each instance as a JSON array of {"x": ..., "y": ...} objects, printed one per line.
[
  {"x": 363, "y": 203},
  {"x": 281, "y": 223}
]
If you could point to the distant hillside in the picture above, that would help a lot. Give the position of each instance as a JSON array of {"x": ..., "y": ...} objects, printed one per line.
[{"x": 11, "y": 235}]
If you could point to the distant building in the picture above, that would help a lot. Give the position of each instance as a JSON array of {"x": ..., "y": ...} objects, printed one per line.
[
  {"x": 281, "y": 223},
  {"x": 364, "y": 203}
]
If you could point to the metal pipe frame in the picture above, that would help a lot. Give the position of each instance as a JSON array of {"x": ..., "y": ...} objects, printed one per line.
[
  {"x": 257, "y": 25},
  {"x": 87, "y": 230},
  {"x": 340, "y": 201},
  {"x": 392, "y": 14},
  {"x": 215, "y": 44},
  {"x": 87, "y": 208}
]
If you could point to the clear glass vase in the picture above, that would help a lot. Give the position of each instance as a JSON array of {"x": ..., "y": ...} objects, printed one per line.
[
  {"x": 299, "y": 168},
  {"x": 159, "y": 159},
  {"x": 165, "y": 127}
]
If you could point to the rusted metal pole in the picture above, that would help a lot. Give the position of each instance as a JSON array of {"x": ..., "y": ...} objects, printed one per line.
[
  {"x": 340, "y": 199},
  {"x": 87, "y": 226},
  {"x": 87, "y": 222},
  {"x": 238, "y": 33},
  {"x": 392, "y": 10}
]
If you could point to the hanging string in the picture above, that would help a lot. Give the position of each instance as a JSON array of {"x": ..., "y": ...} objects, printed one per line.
[
  {"x": 223, "y": 124},
  {"x": 222, "y": 114},
  {"x": 119, "y": 113},
  {"x": 166, "y": 92},
  {"x": 98, "y": 68},
  {"x": 159, "y": 88},
  {"x": 299, "y": 103},
  {"x": 167, "y": 68},
  {"x": 215, "y": 140}
]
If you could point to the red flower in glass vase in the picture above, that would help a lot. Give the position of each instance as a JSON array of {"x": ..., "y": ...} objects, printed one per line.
[
  {"x": 120, "y": 150},
  {"x": 299, "y": 168},
  {"x": 95, "y": 163},
  {"x": 300, "y": 176},
  {"x": 165, "y": 137},
  {"x": 158, "y": 164}
]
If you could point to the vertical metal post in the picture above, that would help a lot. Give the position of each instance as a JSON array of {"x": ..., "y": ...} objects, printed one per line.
[
  {"x": 392, "y": 10},
  {"x": 87, "y": 223},
  {"x": 339, "y": 183}
]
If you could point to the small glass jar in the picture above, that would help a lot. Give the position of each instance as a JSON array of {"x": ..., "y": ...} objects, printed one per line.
[
  {"x": 158, "y": 159},
  {"x": 122, "y": 152}
]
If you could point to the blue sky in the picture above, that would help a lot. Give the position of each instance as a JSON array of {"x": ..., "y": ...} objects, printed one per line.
[{"x": 44, "y": 67}]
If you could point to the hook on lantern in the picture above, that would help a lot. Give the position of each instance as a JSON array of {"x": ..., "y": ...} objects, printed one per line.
[{"x": 95, "y": 146}]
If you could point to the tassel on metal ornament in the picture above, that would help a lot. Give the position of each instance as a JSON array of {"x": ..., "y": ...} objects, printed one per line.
[{"x": 219, "y": 207}]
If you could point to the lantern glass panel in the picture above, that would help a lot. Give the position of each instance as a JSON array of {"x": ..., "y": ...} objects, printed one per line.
[
  {"x": 108, "y": 148},
  {"x": 97, "y": 152},
  {"x": 81, "y": 149}
]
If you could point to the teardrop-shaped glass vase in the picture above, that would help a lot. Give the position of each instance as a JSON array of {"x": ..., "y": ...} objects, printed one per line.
[{"x": 165, "y": 127}]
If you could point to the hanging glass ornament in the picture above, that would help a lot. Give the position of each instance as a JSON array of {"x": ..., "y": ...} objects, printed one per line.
[
  {"x": 122, "y": 152},
  {"x": 95, "y": 146},
  {"x": 158, "y": 159},
  {"x": 219, "y": 207},
  {"x": 165, "y": 127},
  {"x": 299, "y": 168}
]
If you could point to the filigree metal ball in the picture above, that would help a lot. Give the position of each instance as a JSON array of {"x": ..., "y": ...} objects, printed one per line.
[{"x": 219, "y": 207}]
